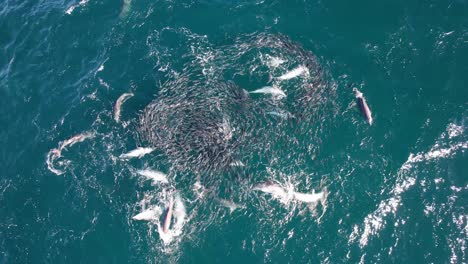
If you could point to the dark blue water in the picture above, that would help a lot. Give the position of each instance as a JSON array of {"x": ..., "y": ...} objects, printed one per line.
[{"x": 395, "y": 191}]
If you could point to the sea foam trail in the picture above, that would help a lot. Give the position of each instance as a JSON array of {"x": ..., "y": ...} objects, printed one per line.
[
  {"x": 150, "y": 214},
  {"x": 375, "y": 221},
  {"x": 57, "y": 152},
  {"x": 72, "y": 8}
]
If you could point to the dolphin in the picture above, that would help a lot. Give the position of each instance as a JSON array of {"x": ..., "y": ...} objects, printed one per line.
[
  {"x": 124, "y": 97},
  {"x": 273, "y": 90},
  {"x": 156, "y": 176},
  {"x": 56, "y": 153},
  {"x": 168, "y": 217},
  {"x": 136, "y": 153},
  {"x": 76, "y": 139},
  {"x": 365, "y": 110},
  {"x": 273, "y": 188},
  {"x": 294, "y": 73},
  {"x": 232, "y": 206}
]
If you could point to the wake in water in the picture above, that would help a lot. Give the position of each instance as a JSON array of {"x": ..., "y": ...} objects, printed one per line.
[{"x": 452, "y": 142}]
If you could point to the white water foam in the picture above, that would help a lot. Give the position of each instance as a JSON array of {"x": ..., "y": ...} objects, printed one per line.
[
  {"x": 375, "y": 221},
  {"x": 72, "y": 8}
]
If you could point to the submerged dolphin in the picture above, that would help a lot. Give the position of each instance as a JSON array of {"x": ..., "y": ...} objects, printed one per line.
[
  {"x": 273, "y": 90},
  {"x": 273, "y": 188},
  {"x": 365, "y": 110},
  {"x": 294, "y": 73},
  {"x": 232, "y": 206}
]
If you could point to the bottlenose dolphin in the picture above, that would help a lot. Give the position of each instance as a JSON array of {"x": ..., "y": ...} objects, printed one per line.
[
  {"x": 56, "y": 153},
  {"x": 278, "y": 191},
  {"x": 273, "y": 90},
  {"x": 76, "y": 139},
  {"x": 230, "y": 204},
  {"x": 136, "y": 153},
  {"x": 294, "y": 73},
  {"x": 365, "y": 110},
  {"x": 168, "y": 217},
  {"x": 273, "y": 188},
  {"x": 154, "y": 175},
  {"x": 124, "y": 97}
]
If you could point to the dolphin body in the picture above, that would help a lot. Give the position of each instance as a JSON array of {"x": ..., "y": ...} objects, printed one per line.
[
  {"x": 365, "y": 110},
  {"x": 278, "y": 191},
  {"x": 232, "y": 206},
  {"x": 176, "y": 210},
  {"x": 136, "y": 153},
  {"x": 294, "y": 73},
  {"x": 273, "y": 90},
  {"x": 168, "y": 217},
  {"x": 124, "y": 97},
  {"x": 154, "y": 175},
  {"x": 273, "y": 188}
]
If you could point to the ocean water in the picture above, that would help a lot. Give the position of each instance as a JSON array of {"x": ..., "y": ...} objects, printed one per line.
[{"x": 395, "y": 191}]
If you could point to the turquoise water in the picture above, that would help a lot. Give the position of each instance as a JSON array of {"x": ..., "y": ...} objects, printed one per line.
[{"x": 393, "y": 192}]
